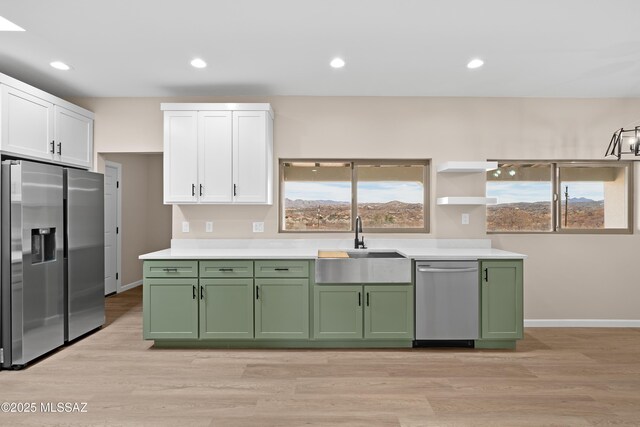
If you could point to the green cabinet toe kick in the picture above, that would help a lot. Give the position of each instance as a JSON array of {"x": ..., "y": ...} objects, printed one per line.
[{"x": 288, "y": 344}]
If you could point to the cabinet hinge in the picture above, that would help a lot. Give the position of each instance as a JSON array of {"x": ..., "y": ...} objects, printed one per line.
[{"x": 117, "y": 276}]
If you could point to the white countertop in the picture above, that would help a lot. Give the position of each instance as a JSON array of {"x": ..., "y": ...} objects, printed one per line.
[{"x": 420, "y": 249}]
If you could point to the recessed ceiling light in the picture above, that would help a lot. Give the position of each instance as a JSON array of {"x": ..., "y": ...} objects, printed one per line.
[
  {"x": 6, "y": 25},
  {"x": 337, "y": 63},
  {"x": 198, "y": 63},
  {"x": 59, "y": 65},
  {"x": 475, "y": 63}
]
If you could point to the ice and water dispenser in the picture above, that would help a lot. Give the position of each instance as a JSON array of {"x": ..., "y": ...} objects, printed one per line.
[{"x": 43, "y": 245}]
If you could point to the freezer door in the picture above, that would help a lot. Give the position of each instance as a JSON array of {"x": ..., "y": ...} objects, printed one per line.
[
  {"x": 84, "y": 252},
  {"x": 32, "y": 260}
]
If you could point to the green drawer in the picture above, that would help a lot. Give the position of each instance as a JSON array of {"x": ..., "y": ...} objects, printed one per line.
[
  {"x": 226, "y": 268},
  {"x": 282, "y": 268},
  {"x": 170, "y": 268}
]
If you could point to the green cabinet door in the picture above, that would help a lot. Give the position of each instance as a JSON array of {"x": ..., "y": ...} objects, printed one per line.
[
  {"x": 226, "y": 308},
  {"x": 337, "y": 311},
  {"x": 501, "y": 295},
  {"x": 388, "y": 312},
  {"x": 170, "y": 309},
  {"x": 281, "y": 308}
]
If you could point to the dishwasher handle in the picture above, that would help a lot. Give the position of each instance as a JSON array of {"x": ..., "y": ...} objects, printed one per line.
[{"x": 446, "y": 270}]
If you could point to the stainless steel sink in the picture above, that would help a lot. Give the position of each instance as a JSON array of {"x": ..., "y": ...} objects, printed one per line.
[
  {"x": 374, "y": 255},
  {"x": 364, "y": 267}
]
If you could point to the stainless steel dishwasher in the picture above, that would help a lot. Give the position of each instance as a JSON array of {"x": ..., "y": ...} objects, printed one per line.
[{"x": 447, "y": 301}]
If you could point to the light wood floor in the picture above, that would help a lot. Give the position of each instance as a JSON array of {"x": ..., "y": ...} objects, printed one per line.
[{"x": 556, "y": 377}]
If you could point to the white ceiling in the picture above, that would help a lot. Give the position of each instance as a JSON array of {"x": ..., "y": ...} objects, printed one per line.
[{"x": 533, "y": 48}]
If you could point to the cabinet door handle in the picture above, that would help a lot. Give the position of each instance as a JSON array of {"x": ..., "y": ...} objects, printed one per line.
[
  {"x": 201, "y": 292},
  {"x": 53, "y": 150},
  {"x": 200, "y": 190},
  {"x": 367, "y": 299},
  {"x": 359, "y": 299},
  {"x": 235, "y": 190},
  {"x": 194, "y": 291},
  {"x": 193, "y": 189},
  {"x": 60, "y": 148},
  {"x": 257, "y": 292},
  {"x": 172, "y": 269},
  {"x": 486, "y": 274},
  {"x": 225, "y": 269},
  {"x": 281, "y": 269}
]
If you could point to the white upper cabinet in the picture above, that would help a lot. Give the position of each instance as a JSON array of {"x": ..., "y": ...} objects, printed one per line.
[
  {"x": 215, "y": 157},
  {"x": 37, "y": 125},
  {"x": 73, "y": 141},
  {"x": 219, "y": 153},
  {"x": 27, "y": 124},
  {"x": 252, "y": 157},
  {"x": 180, "y": 156}
]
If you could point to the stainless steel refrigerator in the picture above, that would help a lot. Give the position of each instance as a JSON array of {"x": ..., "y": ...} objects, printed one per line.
[{"x": 45, "y": 228}]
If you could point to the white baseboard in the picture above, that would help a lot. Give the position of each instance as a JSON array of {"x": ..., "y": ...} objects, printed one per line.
[
  {"x": 130, "y": 286},
  {"x": 581, "y": 323}
]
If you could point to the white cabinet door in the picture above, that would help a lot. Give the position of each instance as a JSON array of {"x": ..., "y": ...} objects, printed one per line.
[
  {"x": 27, "y": 124},
  {"x": 215, "y": 157},
  {"x": 73, "y": 137},
  {"x": 180, "y": 156},
  {"x": 251, "y": 157}
]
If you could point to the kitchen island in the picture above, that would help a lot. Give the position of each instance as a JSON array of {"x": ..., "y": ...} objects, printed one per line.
[{"x": 263, "y": 294}]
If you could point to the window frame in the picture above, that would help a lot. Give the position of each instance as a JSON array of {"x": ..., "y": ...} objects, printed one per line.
[
  {"x": 556, "y": 199},
  {"x": 426, "y": 163}
]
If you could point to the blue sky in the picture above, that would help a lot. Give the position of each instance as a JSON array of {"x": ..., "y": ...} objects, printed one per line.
[
  {"x": 368, "y": 192},
  {"x": 531, "y": 191}
]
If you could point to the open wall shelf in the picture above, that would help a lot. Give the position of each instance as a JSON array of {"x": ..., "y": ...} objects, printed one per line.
[
  {"x": 466, "y": 167},
  {"x": 467, "y": 200}
]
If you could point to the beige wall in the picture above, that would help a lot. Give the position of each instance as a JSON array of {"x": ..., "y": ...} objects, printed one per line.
[
  {"x": 566, "y": 277},
  {"x": 146, "y": 222}
]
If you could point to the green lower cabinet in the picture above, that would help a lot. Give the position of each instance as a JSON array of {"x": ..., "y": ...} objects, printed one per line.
[
  {"x": 337, "y": 312},
  {"x": 281, "y": 308},
  {"x": 226, "y": 308},
  {"x": 388, "y": 312},
  {"x": 501, "y": 296},
  {"x": 369, "y": 312},
  {"x": 170, "y": 309}
]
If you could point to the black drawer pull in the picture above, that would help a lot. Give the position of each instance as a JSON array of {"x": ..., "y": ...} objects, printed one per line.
[
  {"x": 486, "y": 274},
  {"x": 53, "y": 150},
  {"x": 172, "y": 269},
  {"x": 225, "y": 269},
  {"x": 359, "y": 299},
  {"x": 60, "y": 148},
  {"x": 257, "y": 292},
  {"x": 201, "y": 292},
  {"x": 193, "y": 189},
  {"x": 281, "y": 269},
  {"x": 367, "y": 299},
  {"x": 194, "y": 292}
]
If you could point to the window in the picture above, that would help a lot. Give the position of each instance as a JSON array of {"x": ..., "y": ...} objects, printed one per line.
[
  {"x": 326, "y": 196},
  {"x": 565, "y": 197},
  {"x": 525, "y": 197}
]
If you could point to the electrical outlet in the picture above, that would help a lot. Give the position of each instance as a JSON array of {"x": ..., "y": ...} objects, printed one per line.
[
  {"x": 465, "y": 219},
  {"x": 258, "y": 227},
  {"x": 185, "y": 226},
  {"x": 208, "y": 227}
]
